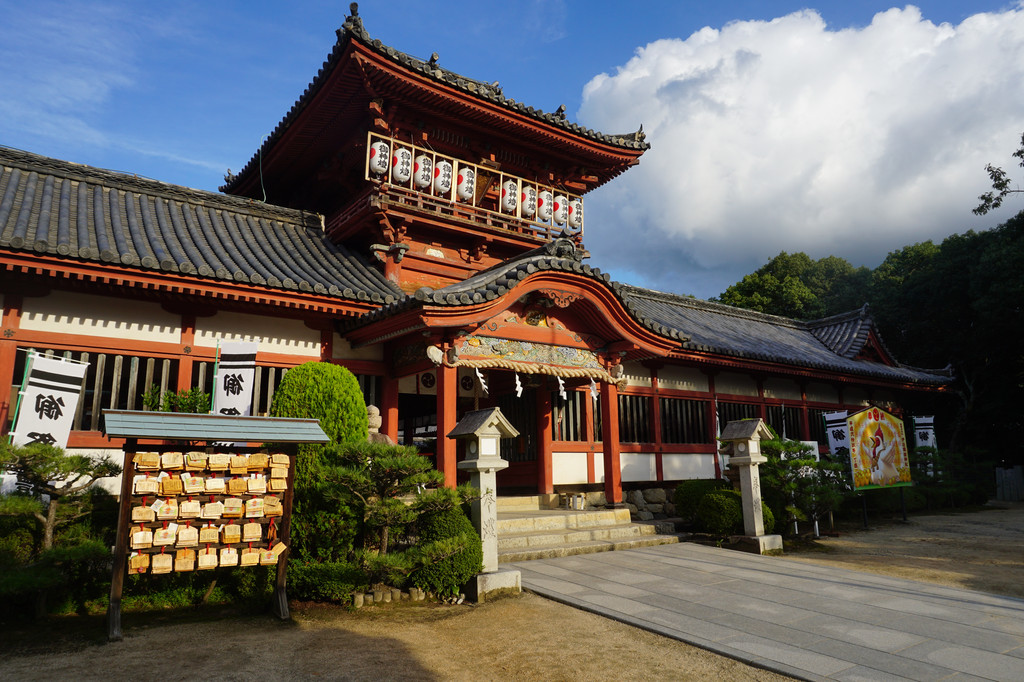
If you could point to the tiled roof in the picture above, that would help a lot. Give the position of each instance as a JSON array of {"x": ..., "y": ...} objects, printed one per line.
[
  {"x": 353, "y": 29},
  {"x": 87, "y": 214},
  {"x": 830, "y": 344}
]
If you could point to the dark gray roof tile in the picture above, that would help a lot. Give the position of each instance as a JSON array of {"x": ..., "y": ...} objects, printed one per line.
[{"x": 82, "y": 213}]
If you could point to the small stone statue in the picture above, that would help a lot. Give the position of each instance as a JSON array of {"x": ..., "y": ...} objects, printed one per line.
[{"x": 374, "y": 422}]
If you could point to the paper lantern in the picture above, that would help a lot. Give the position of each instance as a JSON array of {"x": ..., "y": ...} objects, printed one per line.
[
  {"x": 442, "y": 177},
  {"x": 379, "y": 155},
  {"x": 544, "y": 202},
  {"x": 528, "y": 201},
  {"x": 560, "y": 210},
  {"x": 509, "y": 196},
  {"x": 423, "y": 171},
  {"x": 576, "y": 213},
  {"x": 466, "y": 183},
  {"x": 401, "y": 165}
]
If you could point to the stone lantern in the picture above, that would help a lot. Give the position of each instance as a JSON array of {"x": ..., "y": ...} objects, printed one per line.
[
  {"x": 481, "y": 430},
  {"x": 741, "y": 441}
]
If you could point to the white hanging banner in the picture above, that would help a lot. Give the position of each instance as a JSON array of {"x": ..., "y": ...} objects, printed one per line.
[
  {"x": 519, "y": 386},
  {"x": 593, "y": 389},
  {"x": 837, "y": 430},
  {"x": 483, "y": 384},
  {"x": 232, "y": 384},
  {"x": 924, "y": 432},
  {"x": 49, "y": 400}
]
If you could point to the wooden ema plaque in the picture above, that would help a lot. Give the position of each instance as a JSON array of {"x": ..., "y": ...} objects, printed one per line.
[{"x": 185, "y": 509}]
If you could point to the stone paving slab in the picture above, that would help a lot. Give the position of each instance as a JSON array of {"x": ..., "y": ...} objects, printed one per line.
[{"x": 809, "y": 622}]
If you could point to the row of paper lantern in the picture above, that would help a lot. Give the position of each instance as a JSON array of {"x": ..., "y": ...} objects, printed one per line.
[{"x": 425, "y": 174}]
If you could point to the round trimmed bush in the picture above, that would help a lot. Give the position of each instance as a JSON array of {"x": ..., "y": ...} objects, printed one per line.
[
  {"x": 440, "y": 532},
  {"x": 721, "y": 512},
  {"x": 688, "y": 494}
]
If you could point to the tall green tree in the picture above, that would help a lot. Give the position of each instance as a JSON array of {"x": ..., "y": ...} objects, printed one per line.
[
  {"x": 989, "y": 201},
  {"x": 796, "y": 286}
]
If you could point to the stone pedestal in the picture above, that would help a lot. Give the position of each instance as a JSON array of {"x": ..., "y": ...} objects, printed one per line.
[
  {"x": 481, "y": 430},
  {"x": 741, "y": 441}
]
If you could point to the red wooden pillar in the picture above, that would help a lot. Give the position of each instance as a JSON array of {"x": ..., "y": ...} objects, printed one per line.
[
  {"x": 545, "y": 477},
  {"x": 11, "y": 321},
  {"x": 188, "y": 340},
  {"x": 659, "y": 446},
  {"x": 610, "y": 442},
  {"x": 447, "y": 395},
  {"x": 389, "y": 407}
]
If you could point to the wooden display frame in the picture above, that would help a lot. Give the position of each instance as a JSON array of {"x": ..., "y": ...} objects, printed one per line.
[{"x": 209, "y": 439}]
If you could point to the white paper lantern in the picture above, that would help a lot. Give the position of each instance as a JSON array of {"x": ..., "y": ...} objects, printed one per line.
[
  {"x": 423, "y": 171},
  {"x": 509, "y": 196},
  {"x": 379, "y": 155},
  {"x": 560, "y": 210},
  {"x": 401, "y": 165},
  {"x": 442, "y": 177},
  {"x": 528, "y": 201},
  {"x": 466, "y": 183},
  {"x": 575, "y": 213},
  {"x": 544, "y": 202}
]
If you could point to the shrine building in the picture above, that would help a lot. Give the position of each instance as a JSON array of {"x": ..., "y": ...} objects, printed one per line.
[{"x": 427, "y": 232}]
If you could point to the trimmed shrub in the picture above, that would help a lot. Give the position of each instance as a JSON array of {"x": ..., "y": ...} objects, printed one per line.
[
  {"x": 721, "y": 512},
  {"x": 688, "y": 494},
  {"x": 451, "y": 552},
  {"x": 325, "y": 581},
  {"x": 323, "y": 525}
]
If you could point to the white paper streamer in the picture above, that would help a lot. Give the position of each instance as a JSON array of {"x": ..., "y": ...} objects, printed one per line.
[
  {"x": 480, "y": 378},
  {"x": 519, "y": 386},
  {"x": 561, "y": 388},
  {"x": 593, "y": 389}
]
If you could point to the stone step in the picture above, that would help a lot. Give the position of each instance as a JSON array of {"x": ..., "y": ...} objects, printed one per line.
[
  {"x": 527, "y": 503},
  {"x": 524, "y": 522},
  {"x": 565, "y": 536},
  {"x": 588, "y": 547}
]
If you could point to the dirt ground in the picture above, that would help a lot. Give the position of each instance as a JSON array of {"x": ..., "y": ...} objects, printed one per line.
[
  {"x": 522, "y": 638},
  {"x": 983, "y": 550}
]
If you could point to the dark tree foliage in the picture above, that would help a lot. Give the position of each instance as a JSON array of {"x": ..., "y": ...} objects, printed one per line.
[
  {"x": 794, "y": 285},
  {"x": 990, "y": 201}
]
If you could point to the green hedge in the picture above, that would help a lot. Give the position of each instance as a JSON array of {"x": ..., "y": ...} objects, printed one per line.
[
  {"x": 451, "y": 551},
  {"x": 721, "y": 512},
  {"x": 688, "y": 494}
]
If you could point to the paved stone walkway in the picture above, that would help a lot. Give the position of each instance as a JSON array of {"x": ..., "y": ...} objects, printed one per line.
[{"x": 810, "y": 622}]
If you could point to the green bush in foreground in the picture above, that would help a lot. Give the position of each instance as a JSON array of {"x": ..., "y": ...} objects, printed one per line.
[
  {"x": 720, "y": 512},
  {"x": 688, "y": 494},
  {"x": 451, "y": 552}
]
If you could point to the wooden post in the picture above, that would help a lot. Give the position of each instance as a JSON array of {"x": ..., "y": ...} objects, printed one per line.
[
  {"x": 545, "y": 477},
  {"x": 389, "y": 407},
  {"x": 610, "y": 443},
  {"x": 280, "y": 603},
  {"x": 447, "y": 405},
  {"x": 121, "y": 545}
]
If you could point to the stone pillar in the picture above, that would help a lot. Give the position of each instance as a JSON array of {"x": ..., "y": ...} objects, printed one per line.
[
  {"x": 750, "y": 486},
  {"x": 481, "y": 431},
  {"x": 741, "y": 440}
]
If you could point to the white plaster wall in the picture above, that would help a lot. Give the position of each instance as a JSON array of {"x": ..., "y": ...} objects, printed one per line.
[
  {"x": 343, "y": 350},
  {"x": 275, "y": 334},
  {"x": 682, "y": 379},
  {"x": 414, "y": 383},
  {"x": 783, "y": 389},
  {"x": 638, "y": 466},
  {"x": 569, "y": 467},
  {"x": 681, "y": 467},
  {"x": 822, "y": 393},
  {"x": 737, "y": 384},
  {"x": 64, "y": 312},
  {"x": 637, "y": 374}
]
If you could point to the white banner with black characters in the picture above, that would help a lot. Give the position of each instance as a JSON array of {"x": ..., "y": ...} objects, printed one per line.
[
  {"x": 924, "y": 432},
  {"x": 838, "y": 432},
  {"x": 49, "y": 400},
  {"x": 236, "y": 369}
]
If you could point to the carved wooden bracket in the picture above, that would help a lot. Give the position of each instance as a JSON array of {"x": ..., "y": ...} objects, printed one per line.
[{"x": 561, "y": 299}]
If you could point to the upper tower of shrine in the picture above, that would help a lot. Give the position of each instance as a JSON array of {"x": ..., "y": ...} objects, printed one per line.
[{"x": 435, "y": 174}]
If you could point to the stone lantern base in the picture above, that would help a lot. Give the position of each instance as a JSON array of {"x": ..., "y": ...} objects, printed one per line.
[{"x": 490, "y": 586}]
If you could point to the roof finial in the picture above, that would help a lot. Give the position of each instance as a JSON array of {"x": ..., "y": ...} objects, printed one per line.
[
  {"x": 560, "y": 111},
  {"x": 433, "y": 58},
  {"x": 353, "y": 9}
]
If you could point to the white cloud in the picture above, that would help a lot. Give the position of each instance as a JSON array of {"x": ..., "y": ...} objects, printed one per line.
[{"x": 788, "y": 136}]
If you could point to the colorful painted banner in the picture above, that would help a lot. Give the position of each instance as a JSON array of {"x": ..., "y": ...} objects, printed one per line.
[
  {"x": 878, "y": 450},
  {"x": 49, "y": 400}
]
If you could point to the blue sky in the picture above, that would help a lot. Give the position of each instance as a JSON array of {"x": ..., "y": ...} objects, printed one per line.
[{"x": 844, "y": 128}]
